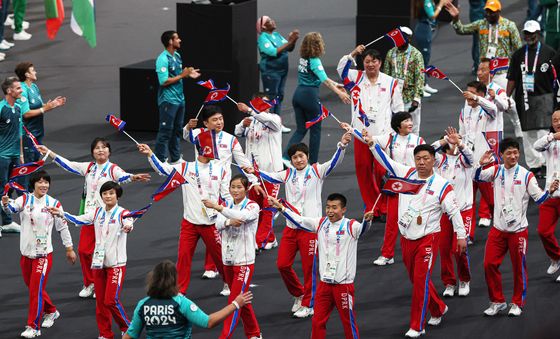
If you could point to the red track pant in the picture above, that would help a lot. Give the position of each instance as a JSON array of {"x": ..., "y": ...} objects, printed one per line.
[
  {"x": 35, "y": 275},
  {"x": 391, "y": 227},
  {"x": 418, "y": 257},
  {"x": 305, "y": 242},
  {"x": 108, "y": 286},
  {"x": 85, "y": 251},
  {"x": 448, "y": 248},
  {"x": 188, "y": 238},
  {"x": 486, "y": 207},
  {"x": 369, "y": 174},
  {"x": 329, "y": 296},
  {"x": 239, "y": 278},
  {"x": 265, "y": 231},
  {"x": 549, "y": 212},
  {"x": 497, "y": 245}
]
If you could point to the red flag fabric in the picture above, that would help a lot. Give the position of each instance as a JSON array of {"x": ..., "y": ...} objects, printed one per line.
[
  {"x": 14, "y": 185},
  {"x": 208, "y": 84},
  {"x": 137, "y": 213},
  {"x": 400, "y": 185},
  {"x": 174, "y": 180},
  {"x": 289, "y": 206},
  {"x": 26, "y": 169},
  {"x": 498, "y": 64},
  {"x": 206, "y": 144},
  {"x": 217, "y": 95},
  {"x": 434, "y": 72},
  {"x": 397, "y": 37},
  {"x": 116, "y": 122},
  {"x": 34, "y": 140},
  {"x": 324, "y": 114},
  {"x": 362, "y": 115},
  {"x": 54, "y": 10},
  {"x": 259, "y": 105}
]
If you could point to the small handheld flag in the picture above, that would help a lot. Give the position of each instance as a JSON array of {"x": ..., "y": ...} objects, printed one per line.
[
  {"x": 173, "y": 181},
  {"x": 259, "y": 105},
  {"x": 34, "y": 140},
  {"x": 362, "y": 115},
  {"x": 498, "y": 64},
  {"x": 208, "y": 84},
  {"x": 137, "y": 213},
  {"x": 206, "y": 144},
  {"x": 400, "y": 185},
  {"x": 257, "y": 173},
  {"x": 434, "y": 72},
  {"x": 217, "y": 95},
  {"x": 289, "y": 206},
  {"x": 397, "y": 37},
  {"x": 14, "y": 185},
  {"x": 26, "y": 169},
  {"x": 116, "y": 122},
  {"x": 324, "y": 114}
]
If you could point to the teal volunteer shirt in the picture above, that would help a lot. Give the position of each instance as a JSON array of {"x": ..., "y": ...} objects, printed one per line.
[
  {"x": 10, "y": 129},
  {"x": 169, "y": 66},
  {"x": 311, "y": 72}
]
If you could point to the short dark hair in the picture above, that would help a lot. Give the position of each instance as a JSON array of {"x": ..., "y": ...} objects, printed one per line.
[
  {"x": 337, "y": 197},
  {"x": 21, "y": 69},
  {"x": 301, "y": 147},
  {"x": 261, "y": 95},
  {"x": 242, "y": 178},
  {"x": 478, "y": 86},
  {"x": 209, "y": 111},
  {"x": 425, "y": 147},
  {"x": 111, "y": 185},
  {"x": 41, "y": 174},
  {"x": 8, "y": 83},
  {"x": 485, "y": 60},
  {"x": 161, "y": 282},
  {"x": 99, "y": 140},
  {"x": 166, "y": 36},
  {"x": 508, "y": 143},
  {"x": 373, "y": 53},
  {"x": 397, "y": 118}
]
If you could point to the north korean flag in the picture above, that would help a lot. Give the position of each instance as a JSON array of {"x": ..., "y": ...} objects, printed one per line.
[
  {"x": 401, "y": 185},
  {"x": 499, "y": 64},
  {"x": 34, "y": 140},
  {"x": 324, "y": 114},
  {"x": 217, "y": 95},
  {"x": 289, "y": 206},
  {"x": 434, "y": 72},
  {"x": 206, "y": 144},
  {"x": 397, "y": 37},
  {"x": 362, "y": 115},
  {"x": 137, "y": 213},
  {"x": 208, "y": 84},
  {"x": 26, "y": 169},
  {"x": 116, "y": 122},
  {"x": 259, "y": 105},
  {"x": 14, "y": 185},
  {"x": 173, "y": 181}
]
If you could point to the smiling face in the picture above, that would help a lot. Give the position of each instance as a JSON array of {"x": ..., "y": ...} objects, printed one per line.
[
  {"x": 406, "y": 127},
  {"x": 109, "y": 198},
  {"x": 237, "y": 190},
  {"x": 334, "y": 210},
  {"x": 101, "y": 152},
  {"x": 371, "y": 65},
  {"x": 510, "y": 156},
  {"x": 215, "y": 122},
  {"x": 41, "y": 187},
  {"x": 299, "y": 160},
  {"x": 14, "y": 91},
  {"x": 269, "y": 25}
]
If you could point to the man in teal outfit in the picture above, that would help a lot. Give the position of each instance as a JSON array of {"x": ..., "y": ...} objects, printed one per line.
[{"x": 171, "y": 100}]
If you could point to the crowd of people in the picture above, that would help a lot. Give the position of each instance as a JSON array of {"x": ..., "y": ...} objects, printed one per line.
[
  {"x": 15, "y": 22},
  {"x": 427, "y": 193}
]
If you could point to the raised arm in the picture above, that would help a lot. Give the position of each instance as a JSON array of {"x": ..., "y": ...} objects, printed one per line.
[
  {"x": 483, "y": 172},
  {"x": 305, "y": 223},
  {"x": 326, "y": 168},
  {"x": 394, "y": 168},
  {"x": 78, "y": 168},
  {"x": 13, "y": 206},
  {"x": 544, "y": 143}
]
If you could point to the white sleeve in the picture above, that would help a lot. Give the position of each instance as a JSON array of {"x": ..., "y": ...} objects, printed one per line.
[
  {"x": 121, "y": 176},
  {"x": 79, "y": 168},
  {"x": 488, "y": 107},
  {"x": 163, "y": 168},
  {"x": 358, "y": 228},
  {"x": 397, "y": 104},
  {"x": 501, "y": 101},
  {"x": 485, "y": 175},
  {"x": 394, "y": 168},
  {"x": 79, "y": 220},
  {"x": 462, "y": 130},
  {"x": 61, "y": 226},
  {"x": 14, "y": 206},
  {"x": 242, "y": 161},
  {"x": 306, "y": 223},
  {"x": 451, "y": 208},
  {"x": 466, "y": 157},
  {"x": 543, "y": 143},
  {"x": 221, "y": 222},
  {"x": 274, "y": 177},
  {"x": 270, "y": 120},
  {"x": 326, "y": 168},
  {"x": 240, "y": 130},
  {"x": 191, "y": 134},
  {"x": 342, "y": 64},
  {"x": 224, "y": 187},
  {"x": 535, "y": 191},
  {"x": 249, "y": 213}
]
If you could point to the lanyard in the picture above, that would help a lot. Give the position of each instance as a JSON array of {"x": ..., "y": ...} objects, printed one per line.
[
  {"x": 243, "y": 203},
  {"x": 393, "y": 141},
  {"x": 447, "y": 165},
  {"x": 503, "y": 183},
  {"x": 536, "y": 58},
  {"x": 425, "y": 195},
  {"x": 408, "y": 52},
  {"x": 100, "y": 239},
  {"x": 199, "y": 181},
  {"x": 304, "y": 186},
  {"x": 343, "y": 223},
  {"x": 31, "y": 202},
  {"x": 469, "y": 125},
  {"x": 95, "y": 179},
  {"x": 495, "y": 33}
]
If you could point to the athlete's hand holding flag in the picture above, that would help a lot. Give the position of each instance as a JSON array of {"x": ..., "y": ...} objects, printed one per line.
[{"x": 119, "y": 125}]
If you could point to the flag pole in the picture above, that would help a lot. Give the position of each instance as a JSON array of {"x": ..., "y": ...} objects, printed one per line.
[
  {"x": 235, "y": 102},
  {"x": 454, "y": 84},
  {"x": 335, "y": 118},
  {"x": 128, "y": 135},
  {"x": 200, "y": 110},
  {"x": 374, "y": 41}
]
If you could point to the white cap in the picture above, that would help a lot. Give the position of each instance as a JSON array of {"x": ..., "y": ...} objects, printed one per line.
[
  {"x": 406, "y": 30},
  {"x": 531, "y": 26}
]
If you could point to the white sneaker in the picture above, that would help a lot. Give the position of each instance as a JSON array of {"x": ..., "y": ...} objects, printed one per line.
[
  {"x": 435, "y": 321},
  {"x": 271, "y": 245},
  {"x": 225, "y": 291},
  {"x": 9, "y": 20},
  {"x": 49, "y": 318},
  {"x": 24, "y": 25},
  {"x": 14, "y": 227},
  {"x": 286, "y": 129},
  {"x": 449, "y": 291},
  {"x": 429, "y": 89},
  {"x": 6, "y": 42},
  {"x": 259, "y": 337},
  {"x": 484, "y": 222},
  {"x": 464, "y": 288},
  {"x": 425, "y": 95},
  {"x": 30, "y": 333},
  {"x": 554, "y": 267},
  {"x": 87, "y": 291},
  {"x": 514, "y": 311},
  {"x": 413, "y": 333},
  {"x": 210, "y": 274},
  {"x": 382, "y": 261},
  {"x": 23, "y": 35},
  {"x": 4, "y": 46},
  {"x": 303, "y": 312},
  {"x": 494, "y": 309},
  {"x": 297, "y": 303}
]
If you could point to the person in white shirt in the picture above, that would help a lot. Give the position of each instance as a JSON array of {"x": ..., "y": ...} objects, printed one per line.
[
  {"x": 337, "y": 245},
  {"x": 476, "y": 118},
  {"x": 419, "y": 214},
  {"x": 205, "y": 180},
  {"x": 36, "y": 248},
  {"x": 96, "y": 173},
  {"x": 263, "y": 133},
  {"x": 238, "y": 222},
  {"x": 455, "y": 165},
  {"x": 513, "y": 186},
  {"x": 109, "y": 258},
  {"x": 229, "y": 149},
  {"x": 378, "y": 95},
  {"x": 304, "y": 184},
  {"x": 548, "y": 211}
]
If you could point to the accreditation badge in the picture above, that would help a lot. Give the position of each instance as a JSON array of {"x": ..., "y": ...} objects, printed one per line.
[
  {"x": 491, "y": 51},
  {"x": 509, "y": 214},
  {"x": 41, "y": 245},
  {"x": 228, "y": 258},
  {"x": 330, "y": 272},
  {"x": 406, "y": 219},
  {"x": 98, "y": 257},
  {"x": 529, "y": 82}
]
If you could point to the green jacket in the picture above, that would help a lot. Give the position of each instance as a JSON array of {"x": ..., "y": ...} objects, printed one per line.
[{"x": 552, "y": 22}]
